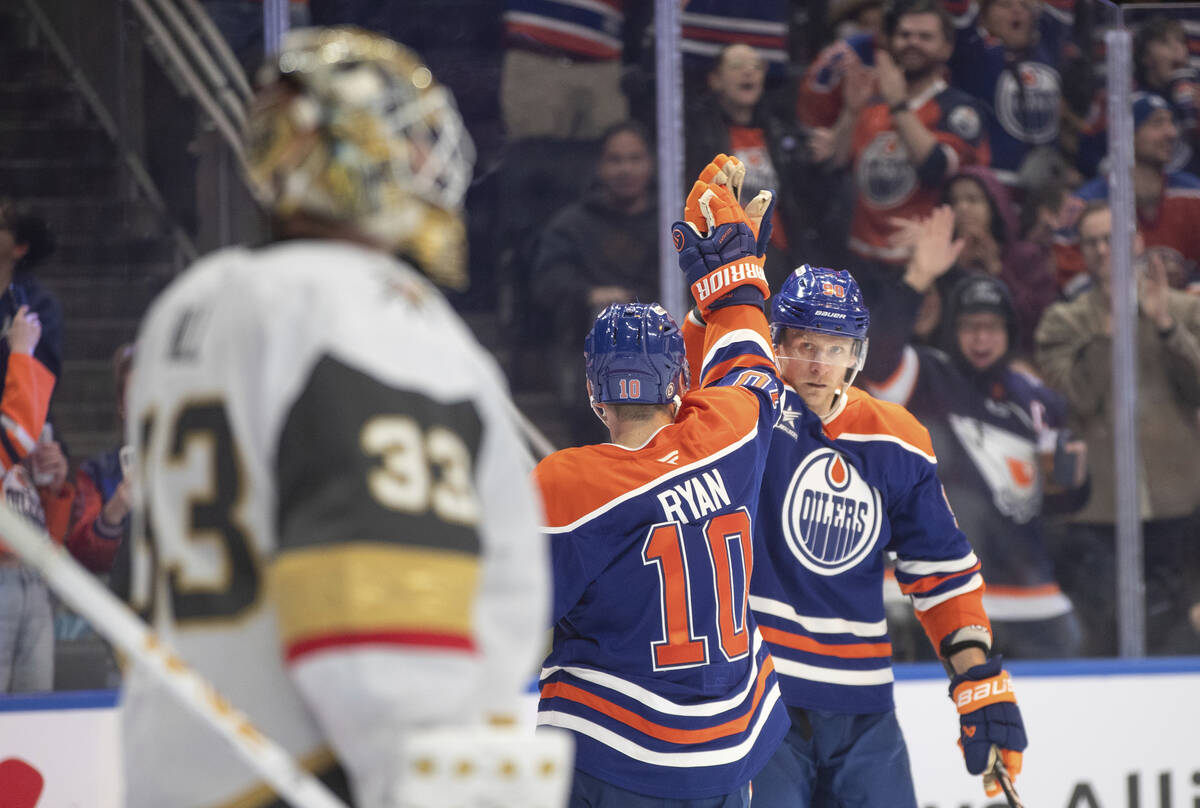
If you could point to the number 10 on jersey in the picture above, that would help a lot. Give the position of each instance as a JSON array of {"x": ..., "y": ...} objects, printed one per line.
[{"x": 728, "y": 542}]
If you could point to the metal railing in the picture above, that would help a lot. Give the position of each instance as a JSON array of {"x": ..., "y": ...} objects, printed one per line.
[{"x": 185, "y": 246}]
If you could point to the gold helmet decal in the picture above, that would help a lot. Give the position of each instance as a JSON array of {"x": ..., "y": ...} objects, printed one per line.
[{"x": 351, "y": 127}]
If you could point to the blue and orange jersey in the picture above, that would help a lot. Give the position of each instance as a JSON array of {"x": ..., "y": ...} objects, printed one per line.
[
  {"x": 889, "y": 184},
  {"x": 1022, "y": 94},
  {"x": 581, "y": 31},
  {"x": 657, "y": 666},
  {"x": 710, "y": 25},
  {"x": 829, "y": 514}
]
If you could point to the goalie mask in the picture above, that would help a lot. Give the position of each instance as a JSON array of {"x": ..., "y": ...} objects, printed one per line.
[
  {"x": 634, "y": 355},
  {"x": 825, "y": 302},
  {"x": 351, "y": 128}
]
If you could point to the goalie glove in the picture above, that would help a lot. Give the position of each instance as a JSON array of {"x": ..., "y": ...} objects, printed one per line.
[
  {"x": 723, "y": 262},
  {"x": 990, "y": 724}
]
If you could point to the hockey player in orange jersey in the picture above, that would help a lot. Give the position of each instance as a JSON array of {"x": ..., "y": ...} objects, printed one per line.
[
  {"x": 828, "y": 513},
  {"x": 657, "y": 666}
]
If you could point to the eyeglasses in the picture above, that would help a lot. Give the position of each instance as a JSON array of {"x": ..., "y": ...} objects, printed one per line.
[{"x": 1094, "y": 242}]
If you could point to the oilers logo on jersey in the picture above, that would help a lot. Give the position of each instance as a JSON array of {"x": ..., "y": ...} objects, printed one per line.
[
  {"x": 831, "y": 516},
  {"x": 886, "y": 176},
  {"x": 1029, "y": 110}
]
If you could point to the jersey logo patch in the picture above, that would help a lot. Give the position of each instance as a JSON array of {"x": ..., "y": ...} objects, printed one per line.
[
  {"x": 1029, "y": 111},
  {"x": 964, "y": 122},
  {"x": 831, "y": 516},
  {"x": 671, "y": 458},
  {"x": 884, "y": 174}
]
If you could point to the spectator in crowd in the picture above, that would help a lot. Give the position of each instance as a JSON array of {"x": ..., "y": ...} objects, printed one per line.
[
  {"x": 1007, "y": 55},
  {"x": 859, "y": 25},
  {"x": 1030, "y": 271},
  {"x": 1160, "y": 65},
  {"x": 602, "y": 249},
  {"x": 993, "y": 427},
  {"x": 26, "y": 618},
  {"x": 99, "y": 532},
  {"x": 25, "y": 242},
  {"x": 1168, "y": 203},
  {"x": 905, "y": 140},
  {"x": 984, "y": 217},
  {"x": 561, "y": 73},
  {"x": 1074, "y": 350},
  {"x": 732, "y": 119}
]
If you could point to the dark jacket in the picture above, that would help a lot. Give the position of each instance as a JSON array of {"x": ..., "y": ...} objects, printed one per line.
[
  {"x": 591, "y": 244},
  {"x": 26, "y": 290},
  {"x": 808, "y": 200}
]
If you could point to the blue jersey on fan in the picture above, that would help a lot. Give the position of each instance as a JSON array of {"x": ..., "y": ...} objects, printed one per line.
[
  {"x": 1022, "y": 91},
  {"x": 657, "y": 666}
]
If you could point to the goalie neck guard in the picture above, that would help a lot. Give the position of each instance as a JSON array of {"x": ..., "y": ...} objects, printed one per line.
[
  {"x": 351, "y": 128},
  {"x": 634, "y": 355}
]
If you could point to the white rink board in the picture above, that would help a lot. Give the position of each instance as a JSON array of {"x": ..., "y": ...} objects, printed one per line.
[
  {"x": 75, "y": 750},
  {"x": 1103, "y": 735},
  {"x": 1108, "y": 739}
]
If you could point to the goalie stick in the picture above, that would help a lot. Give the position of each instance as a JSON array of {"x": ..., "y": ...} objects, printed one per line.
[{"x": 125, "y": 630}]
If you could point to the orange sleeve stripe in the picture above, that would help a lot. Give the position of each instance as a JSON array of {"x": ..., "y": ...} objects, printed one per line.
[
  {"x": 658, "y": 731},
  {"x": 930, "y": 582},
  {"x": 858, "y": 650},
  {"x": 722, "y": 369},
  {"x": 27, "y": 388},
  {"x": 944, "y": 619},
  {"x": 1024, "y": 591}
]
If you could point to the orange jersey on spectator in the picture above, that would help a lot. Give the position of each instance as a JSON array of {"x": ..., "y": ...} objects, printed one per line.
[
  {"x": 26, "y": 399},
  {"x": 887, "y": 182},
  {"x": 1174, "y": 225}
]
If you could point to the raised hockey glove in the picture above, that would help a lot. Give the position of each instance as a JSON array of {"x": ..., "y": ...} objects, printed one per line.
[
  {"x": 988, "y": 717},
  {"x": 723, "y": 267}
]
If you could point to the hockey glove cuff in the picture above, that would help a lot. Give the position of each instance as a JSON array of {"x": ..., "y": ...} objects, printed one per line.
[
  {"x": 721, "y": 269},
  {"x": 988, "y": 717}
]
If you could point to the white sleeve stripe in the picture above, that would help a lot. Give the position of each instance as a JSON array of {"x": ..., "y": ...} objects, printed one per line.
[
  {"x": 18, "y": 432},
  {"x": 738, "y": 335},
  {"x": 898, "y": 387},
  {"x": 818, "y": 625},
  {"x": 656, "y": 702},
  {"x": 713, "y": 757},
  {"x": 921, "y": 568},
  {"x": 733, "y": 24},
  {"x": 612, "y": 503},
  {"x": 887, "y": 439},
  {"x": 921, "y": 604},
  {"x": 815, "y": 673}
]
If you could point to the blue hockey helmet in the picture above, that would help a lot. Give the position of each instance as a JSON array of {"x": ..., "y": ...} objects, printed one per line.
[
  {"x": 634, "y": 355},
  {"x": 825, "y": 301}
]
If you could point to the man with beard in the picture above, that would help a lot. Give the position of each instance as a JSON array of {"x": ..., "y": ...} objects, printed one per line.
[
  {"x": 1001, "y": 454},
  {"x": 905, "y": 139}
]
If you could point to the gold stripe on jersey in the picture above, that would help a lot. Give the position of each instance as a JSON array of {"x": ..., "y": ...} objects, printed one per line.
[
  {"x": 355, "y": 587},
  {"x": 318, "y": 763}
]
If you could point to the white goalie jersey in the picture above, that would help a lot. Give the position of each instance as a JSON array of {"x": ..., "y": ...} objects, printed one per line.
[{"x": 335, "y": 523}]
